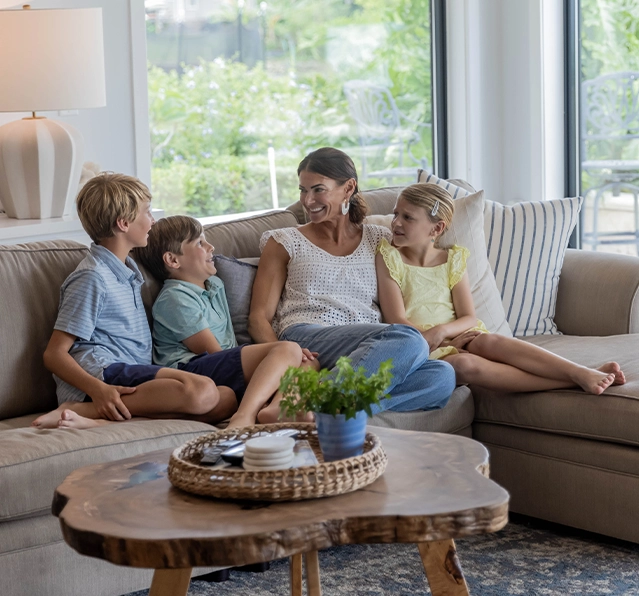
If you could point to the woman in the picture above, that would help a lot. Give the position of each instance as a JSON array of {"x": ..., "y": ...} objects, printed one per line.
[{"x": 316, "y": 285}]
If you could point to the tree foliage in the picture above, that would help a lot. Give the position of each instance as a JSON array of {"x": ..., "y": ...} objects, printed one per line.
[{"x": 213, "y": 122}]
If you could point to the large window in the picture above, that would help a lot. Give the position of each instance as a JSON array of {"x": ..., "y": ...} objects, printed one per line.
[
  {"x": 609, "y": 124},
  {"x": 241, "y": 90}
]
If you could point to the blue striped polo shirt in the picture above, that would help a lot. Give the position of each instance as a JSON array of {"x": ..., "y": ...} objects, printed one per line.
[{"x": 101, "y": 305}]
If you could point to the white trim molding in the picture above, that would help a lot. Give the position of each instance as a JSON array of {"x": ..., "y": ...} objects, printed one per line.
[{"x": 505, "y": 100}]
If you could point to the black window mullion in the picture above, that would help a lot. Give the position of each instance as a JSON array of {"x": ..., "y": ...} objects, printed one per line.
[{"x": 439, "y": 93}]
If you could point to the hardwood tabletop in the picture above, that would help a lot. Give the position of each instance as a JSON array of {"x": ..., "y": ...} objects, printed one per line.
[{"x": 435, "y": 487}]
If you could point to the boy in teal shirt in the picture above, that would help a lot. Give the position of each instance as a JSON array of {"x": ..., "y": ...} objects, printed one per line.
[{"x": 192, "y": 325}]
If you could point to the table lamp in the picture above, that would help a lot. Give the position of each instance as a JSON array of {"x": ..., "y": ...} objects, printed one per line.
[{"x": 49, "y": 60}]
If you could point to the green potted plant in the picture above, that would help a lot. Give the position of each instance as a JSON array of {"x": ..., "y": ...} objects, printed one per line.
[{"x": 341, "y": 401}]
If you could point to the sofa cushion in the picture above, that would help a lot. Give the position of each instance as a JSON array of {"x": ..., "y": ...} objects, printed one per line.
[
  {"x": 241, "y": 238},
  {"x": 30, "y": 278},
  {"x": 34, "y": 462},
  {"x": 455, "y": 417},
  {"x": 526, "y": 245},
  {"x": 609, "y": 417},
  {"x": 238, "y": 277}
]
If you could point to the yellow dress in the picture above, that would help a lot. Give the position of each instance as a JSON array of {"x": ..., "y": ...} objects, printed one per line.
[{"x": 427, "y": 290}]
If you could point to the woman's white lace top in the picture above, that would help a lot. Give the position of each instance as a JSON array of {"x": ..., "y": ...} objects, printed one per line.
[{"x": 324, "y": 289}]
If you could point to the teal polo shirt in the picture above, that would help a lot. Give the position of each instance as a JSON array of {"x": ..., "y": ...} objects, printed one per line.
[{"x": 183, "y": 309}]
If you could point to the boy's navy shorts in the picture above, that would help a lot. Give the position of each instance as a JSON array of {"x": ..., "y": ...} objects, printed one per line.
[
  {"x": 127, "y": 375},
  {"x": 225, "y": 368}
]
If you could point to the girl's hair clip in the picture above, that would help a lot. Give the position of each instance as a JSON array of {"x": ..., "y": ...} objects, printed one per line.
[{"x": 435, "y": 208}]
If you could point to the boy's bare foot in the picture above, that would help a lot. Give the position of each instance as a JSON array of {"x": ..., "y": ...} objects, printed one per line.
[
  {"x": 69, "y": 419},
  {"x": 272, "y": 413},
  {"x": 48, "y": 420},
  {"x": 615, "y": 369},
  {"x": 240, "y": 419},
  {"x": 594, "y": 381}
]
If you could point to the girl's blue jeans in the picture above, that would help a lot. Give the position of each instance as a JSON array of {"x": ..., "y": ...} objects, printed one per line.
[{"x": 418, "y": 383}]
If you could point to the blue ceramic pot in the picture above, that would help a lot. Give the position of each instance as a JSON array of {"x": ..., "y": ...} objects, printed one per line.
[{"x": 340, "y": 438}]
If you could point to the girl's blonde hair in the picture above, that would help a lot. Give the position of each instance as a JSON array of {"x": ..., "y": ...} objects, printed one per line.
[{"x": 436, "y": 201}]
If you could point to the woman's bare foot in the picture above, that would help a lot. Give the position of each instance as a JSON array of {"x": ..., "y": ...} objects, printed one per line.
[
  {"x": 594, "y": 381},
  {"x": 49, "y": 420},
  {"x": 69, "y": 419},
  {"x": 615, "y": 369}
]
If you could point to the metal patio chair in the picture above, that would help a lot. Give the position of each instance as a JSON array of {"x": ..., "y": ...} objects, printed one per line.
[
  {"x": 382, "y": 131},
  {"x": 610, "y": 117}
]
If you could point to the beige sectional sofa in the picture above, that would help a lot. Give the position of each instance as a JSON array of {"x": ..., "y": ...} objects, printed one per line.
[{"x": 563, "y": 455}]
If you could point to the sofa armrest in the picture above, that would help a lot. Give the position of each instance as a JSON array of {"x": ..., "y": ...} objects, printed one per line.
[{"x": 598, "y": 294}]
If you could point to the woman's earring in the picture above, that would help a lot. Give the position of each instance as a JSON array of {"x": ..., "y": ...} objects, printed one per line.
[{"x": 346, "y": 205}]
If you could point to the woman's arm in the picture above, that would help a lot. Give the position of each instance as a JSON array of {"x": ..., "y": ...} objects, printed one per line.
[{"x": 267, "y": 290}]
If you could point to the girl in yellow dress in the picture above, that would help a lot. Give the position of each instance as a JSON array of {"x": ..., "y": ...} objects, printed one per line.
[{"x": 426, "y": 286}]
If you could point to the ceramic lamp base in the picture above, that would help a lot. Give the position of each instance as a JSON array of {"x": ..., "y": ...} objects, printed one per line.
[{"x": 40, "y": 167}]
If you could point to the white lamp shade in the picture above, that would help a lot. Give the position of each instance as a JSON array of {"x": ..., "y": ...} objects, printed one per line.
[{"x": 51, "y": 60}]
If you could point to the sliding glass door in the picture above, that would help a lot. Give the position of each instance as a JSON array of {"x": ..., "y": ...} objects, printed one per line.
[
  {"x": 241, "y": 90},
  {"x": 609, "y": 124}
]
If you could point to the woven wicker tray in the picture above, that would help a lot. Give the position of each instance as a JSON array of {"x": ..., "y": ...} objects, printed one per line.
[{"x": 323, "y": 480}]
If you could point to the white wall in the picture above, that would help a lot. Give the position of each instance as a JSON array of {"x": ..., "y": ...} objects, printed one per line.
[
  {"x": 505, "y": 69},
  {"x": 116, "y": 136}
]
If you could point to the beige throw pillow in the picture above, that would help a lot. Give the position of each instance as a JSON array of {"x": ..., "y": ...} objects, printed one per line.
[{"x": 467, "y": 230}]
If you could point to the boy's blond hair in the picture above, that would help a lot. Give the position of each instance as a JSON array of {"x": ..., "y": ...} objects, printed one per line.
[
  {"x": 107, "y": 197},
  {"x": 167, "y": 235}
]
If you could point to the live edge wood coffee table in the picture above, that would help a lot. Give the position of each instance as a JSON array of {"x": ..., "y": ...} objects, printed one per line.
[{"x": 435, "y": 489}]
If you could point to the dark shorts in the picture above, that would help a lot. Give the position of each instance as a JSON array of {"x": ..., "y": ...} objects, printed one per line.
[
  {"x": 127, "y": 375},
  {"x": 225, "y": 368}
]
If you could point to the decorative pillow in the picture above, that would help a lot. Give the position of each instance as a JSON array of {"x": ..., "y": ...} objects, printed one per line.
[
  {"x": 467, "y": 230},
  {"x": 526, "y": 245},
  {"x": 238, "y": 277}
]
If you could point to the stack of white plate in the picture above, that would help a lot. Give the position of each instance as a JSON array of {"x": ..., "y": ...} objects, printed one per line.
[{"x": 268, "y": 453}]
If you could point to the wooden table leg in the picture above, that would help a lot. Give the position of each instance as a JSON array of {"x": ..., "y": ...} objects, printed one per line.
[
  {"x": 443, "y": 571},
  {"x": 170, "y": 582},
  {"x": 295, "y": 563},
  {"x": 313, "y": 587}
]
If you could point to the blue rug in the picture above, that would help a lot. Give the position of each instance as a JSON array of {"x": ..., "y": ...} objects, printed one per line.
[{"x": 527, "y": 557}]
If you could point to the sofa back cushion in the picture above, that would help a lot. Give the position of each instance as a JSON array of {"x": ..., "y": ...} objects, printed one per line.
[
  {"x": 30, "y": 279},
  {"x": 239, "y": 239}
]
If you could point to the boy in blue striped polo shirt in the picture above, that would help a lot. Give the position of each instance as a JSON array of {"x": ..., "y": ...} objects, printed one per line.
[
  {"x": 100, "y": 351},
  {"x": 192, "y": 327}
]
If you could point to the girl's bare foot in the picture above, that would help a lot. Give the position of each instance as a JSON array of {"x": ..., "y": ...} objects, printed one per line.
[
  {"x": 594, "y": 381},
  {"x": 49, "y": 420},
  {"x": 615, "y": 369},
  {"x": 69, "y": 419}
]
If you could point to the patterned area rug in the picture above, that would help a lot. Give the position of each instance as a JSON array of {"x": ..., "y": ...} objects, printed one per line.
[{"x": 527, "y": 557}]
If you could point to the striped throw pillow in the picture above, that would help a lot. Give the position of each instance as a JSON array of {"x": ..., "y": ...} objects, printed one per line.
[{"x": 526, "y": 245}]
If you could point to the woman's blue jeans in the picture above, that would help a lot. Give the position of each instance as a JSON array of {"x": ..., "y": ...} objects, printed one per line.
[{"x": 418, "y": 383}]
